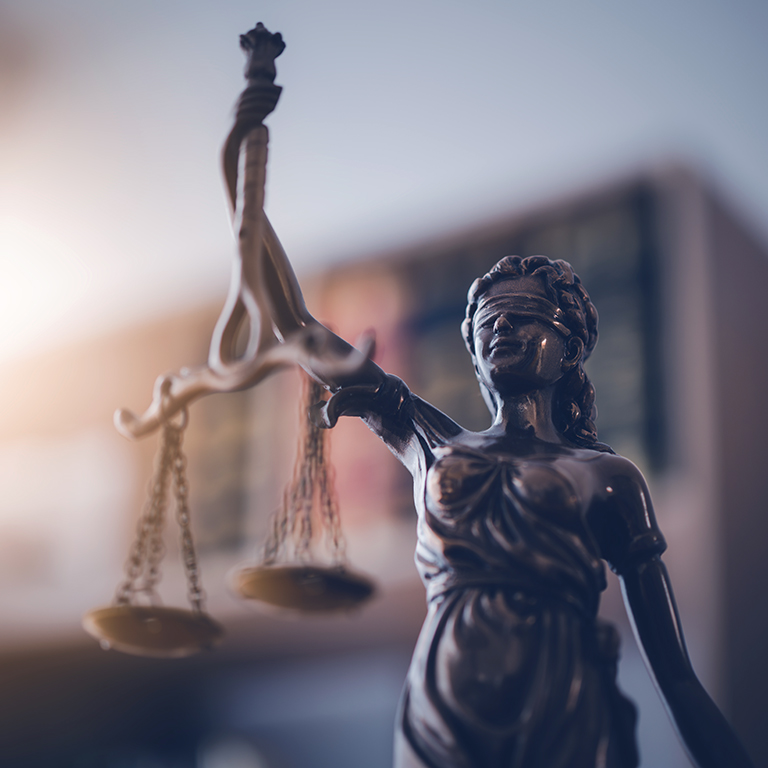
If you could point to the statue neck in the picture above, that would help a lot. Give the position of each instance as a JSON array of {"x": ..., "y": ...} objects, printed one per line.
[{"x": 527, "y": 413}]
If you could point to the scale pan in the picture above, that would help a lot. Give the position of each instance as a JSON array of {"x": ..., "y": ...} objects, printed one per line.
[
  {"x": 144, "y": 630},
  {"x": 305, "y": 588}
]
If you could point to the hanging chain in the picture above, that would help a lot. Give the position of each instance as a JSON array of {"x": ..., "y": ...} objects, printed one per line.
[
  {"x": 142, "y": 569},
  {"x": 195, "y": 591},
  {"x": 329, "y": 506},
  {"x": 148, "y": 548},
  {"x": 311, "y": 487},
  {"x": 278, "y": 533}
]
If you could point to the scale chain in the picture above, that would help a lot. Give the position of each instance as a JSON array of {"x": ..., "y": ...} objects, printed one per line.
[
  {"x": 292, "y": 528},
  {"x": 195, "y": 591},
  {"x": 329, "y": 506},
  {"x": 148, "y": 548},
  {"x": 142, "y": 568},
  {"x": 155, "y": 543}
]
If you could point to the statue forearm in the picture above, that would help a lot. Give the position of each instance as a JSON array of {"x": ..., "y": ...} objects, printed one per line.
[{"x": 706, "y": 734}]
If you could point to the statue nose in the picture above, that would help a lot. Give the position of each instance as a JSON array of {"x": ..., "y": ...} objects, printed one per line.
[{"x": 502, "y": 324}]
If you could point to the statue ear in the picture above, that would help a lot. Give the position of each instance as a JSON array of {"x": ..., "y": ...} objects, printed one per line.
[{"x": 574, "y": 349}]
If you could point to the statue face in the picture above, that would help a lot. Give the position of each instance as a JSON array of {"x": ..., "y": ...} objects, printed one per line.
[{"x": 517, "y": 348}]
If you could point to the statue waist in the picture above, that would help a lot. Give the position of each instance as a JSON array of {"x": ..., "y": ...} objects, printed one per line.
[{"x": 523, "y": 594}]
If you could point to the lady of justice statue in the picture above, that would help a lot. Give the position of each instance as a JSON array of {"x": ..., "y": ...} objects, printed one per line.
[{"x": 512, "y": 669}]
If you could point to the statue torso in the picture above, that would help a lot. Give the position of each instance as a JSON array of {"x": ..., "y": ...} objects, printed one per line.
[{"x": 511, "y": 512}]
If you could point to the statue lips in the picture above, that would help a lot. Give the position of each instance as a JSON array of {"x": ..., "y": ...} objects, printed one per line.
[{"x": 505, "y": 347}]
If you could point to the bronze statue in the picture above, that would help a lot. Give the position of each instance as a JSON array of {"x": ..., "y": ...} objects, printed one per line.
[{"x": 512, "y": 669}]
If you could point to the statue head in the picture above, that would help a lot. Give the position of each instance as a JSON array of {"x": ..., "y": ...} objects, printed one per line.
[{"x": 549, "y": 295}]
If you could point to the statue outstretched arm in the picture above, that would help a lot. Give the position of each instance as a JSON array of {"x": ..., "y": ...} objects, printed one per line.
[
  {"x": 289, "y": 315},
  {"x": 406, "y": 424}
]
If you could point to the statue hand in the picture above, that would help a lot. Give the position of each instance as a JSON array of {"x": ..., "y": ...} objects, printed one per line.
[{"x": 386, "y": 398}]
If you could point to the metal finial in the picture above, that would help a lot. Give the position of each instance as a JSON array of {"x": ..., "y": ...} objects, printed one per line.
[{"x": 262, "y": 48}]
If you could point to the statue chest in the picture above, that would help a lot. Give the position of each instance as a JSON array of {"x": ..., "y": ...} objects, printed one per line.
[{"x": 462, "y": 485}]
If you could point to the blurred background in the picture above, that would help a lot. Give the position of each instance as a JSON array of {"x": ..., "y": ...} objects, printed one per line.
[{"x": 414, "y": 145}]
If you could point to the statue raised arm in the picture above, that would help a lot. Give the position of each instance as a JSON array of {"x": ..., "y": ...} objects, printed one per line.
[{"x": 264, "y": 290}]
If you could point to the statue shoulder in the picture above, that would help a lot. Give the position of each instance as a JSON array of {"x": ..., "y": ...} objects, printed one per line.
[
  {"x": 621, "y": 514},
  {"x": 615, "y": 474}
]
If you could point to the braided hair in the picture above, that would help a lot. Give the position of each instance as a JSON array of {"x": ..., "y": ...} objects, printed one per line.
[{"x": 574, "y": 409}]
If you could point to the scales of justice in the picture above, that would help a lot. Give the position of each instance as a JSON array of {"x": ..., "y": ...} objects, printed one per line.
[{"x": 512, "y": 668}]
